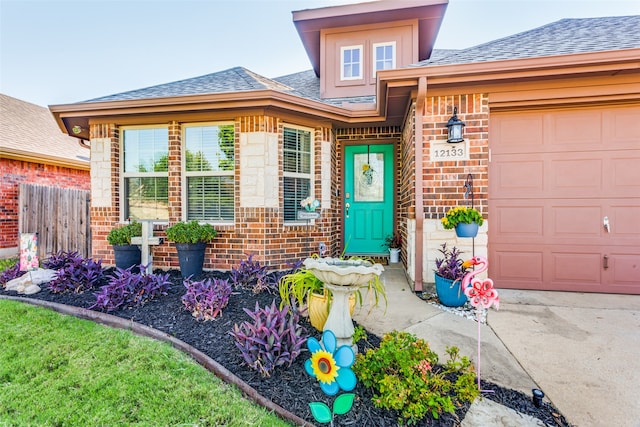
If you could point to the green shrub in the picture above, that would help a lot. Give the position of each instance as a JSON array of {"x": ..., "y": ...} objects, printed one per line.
[
  {"x": 121, "y": 236},
  {"x": 404, "y": 376},
  {"x": 191, "y": 232}
]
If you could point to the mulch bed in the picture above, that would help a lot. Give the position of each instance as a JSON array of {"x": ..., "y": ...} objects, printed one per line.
[{"x": 288, "y": 387}]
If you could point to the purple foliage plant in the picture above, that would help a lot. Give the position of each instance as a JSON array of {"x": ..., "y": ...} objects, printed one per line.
[
  {"x": 450, "y": 265},
  {"x": 206, "y": 299},
  {"x": 250, "y": 275},
  {"x": 272, "y": 338},
  {"x": 128, "y": 288},
  {"x": 74, "y": 273}
]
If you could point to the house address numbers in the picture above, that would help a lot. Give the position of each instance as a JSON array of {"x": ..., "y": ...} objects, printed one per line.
[{"x": 442, "y": 151}]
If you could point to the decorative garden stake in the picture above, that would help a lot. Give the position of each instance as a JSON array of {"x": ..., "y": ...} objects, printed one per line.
[
  {"x": 332, "y": 367},
  {"x": 481, "y": 294}
]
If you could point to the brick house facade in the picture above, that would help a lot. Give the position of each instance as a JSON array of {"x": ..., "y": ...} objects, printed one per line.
[
  {"x": 42, "y": 156},
  {"x": 544, "y": 88}
]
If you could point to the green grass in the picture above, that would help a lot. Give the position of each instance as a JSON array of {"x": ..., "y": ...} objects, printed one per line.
[
  {"x": 58, "y": 370},
  {"x": 7, "y": 263}
]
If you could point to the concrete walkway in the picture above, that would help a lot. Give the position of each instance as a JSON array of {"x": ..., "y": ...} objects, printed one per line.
[{"x": 582, "y": 350}]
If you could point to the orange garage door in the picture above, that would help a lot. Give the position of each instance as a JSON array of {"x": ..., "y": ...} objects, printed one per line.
[{"x": 556, "y": 178}]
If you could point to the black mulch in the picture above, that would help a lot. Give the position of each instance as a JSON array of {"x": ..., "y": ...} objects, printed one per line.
[{"x": 289, "y": 387}]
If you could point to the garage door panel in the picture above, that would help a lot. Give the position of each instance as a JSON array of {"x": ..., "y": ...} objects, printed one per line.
[
  {"x": 576, "y": 222},
  {"x": 520, "y": 222},
  {"x": 520, "y": 266},
  {"x": 621, "y": 127},
  {"x": 625, "y": 174},
  {"x": 575, "y": 266},
  {"x": 624, "y": 221},
  {"x": 571, "y": 128},
  {"x": 625, "y": 271},
  {"x": 522, "y": 132},
  {"x": 515, "y": 177},
  {"x": 577, "y": 177}
]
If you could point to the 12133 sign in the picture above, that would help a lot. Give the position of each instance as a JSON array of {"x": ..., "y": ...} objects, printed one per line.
[{"x": 444, "y": 151}]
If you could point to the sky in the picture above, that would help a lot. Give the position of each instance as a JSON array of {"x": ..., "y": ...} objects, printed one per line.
[{"x": 61, "y": 52}]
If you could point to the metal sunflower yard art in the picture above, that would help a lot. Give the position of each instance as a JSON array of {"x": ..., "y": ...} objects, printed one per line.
[{"x": 332, "y": 367}]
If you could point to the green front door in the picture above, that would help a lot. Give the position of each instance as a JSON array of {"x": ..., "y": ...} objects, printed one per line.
[{"x": 368, "y": 198}]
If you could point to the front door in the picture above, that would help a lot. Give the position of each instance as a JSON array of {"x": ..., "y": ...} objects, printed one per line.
[{"x": 368, "y": 198}]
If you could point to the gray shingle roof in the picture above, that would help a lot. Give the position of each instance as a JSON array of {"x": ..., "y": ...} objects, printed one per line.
[
  {"x": 567, "y": 36},
  {"x": 237, "y": 79}
]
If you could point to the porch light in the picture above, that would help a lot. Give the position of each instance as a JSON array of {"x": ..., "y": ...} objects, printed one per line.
[
  {"x": 76, "y": 129},
  {"x": 455, "y": 126}
]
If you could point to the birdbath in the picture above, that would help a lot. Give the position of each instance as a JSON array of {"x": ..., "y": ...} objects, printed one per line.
[{"x": 342, "y": 278}]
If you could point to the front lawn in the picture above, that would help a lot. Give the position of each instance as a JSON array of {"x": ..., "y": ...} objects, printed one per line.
[{"x": 61, "y": 371}]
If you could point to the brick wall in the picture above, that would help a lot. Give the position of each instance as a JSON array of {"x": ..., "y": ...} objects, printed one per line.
[
  {"x": 444, "y": 180},
  {"x": 16, "y": 172},
  {"x": 257, "y": 230}
]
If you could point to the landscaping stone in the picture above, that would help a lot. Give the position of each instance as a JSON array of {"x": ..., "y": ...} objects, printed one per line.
[{"x": 28, "y": 283}]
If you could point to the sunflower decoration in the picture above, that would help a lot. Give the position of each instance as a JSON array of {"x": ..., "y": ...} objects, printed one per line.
[
  {"x": 332, "y": 367},
  {"x": 368, "y": 172}
]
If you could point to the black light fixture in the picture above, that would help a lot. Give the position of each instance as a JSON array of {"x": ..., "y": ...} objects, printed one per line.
[{"x": 455, "y": 126}]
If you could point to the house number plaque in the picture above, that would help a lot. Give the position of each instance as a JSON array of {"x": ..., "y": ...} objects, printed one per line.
[{"x": 442, "y": 151}]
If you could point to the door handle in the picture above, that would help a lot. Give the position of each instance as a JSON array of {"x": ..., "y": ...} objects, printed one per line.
[
  {"x": 605, "y": 223},
  {"x": 605, "y": 262},
  {"x": 347, "y": 206}
]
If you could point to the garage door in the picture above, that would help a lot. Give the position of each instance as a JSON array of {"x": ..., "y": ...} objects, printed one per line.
[{"x": 556, "y": 179}]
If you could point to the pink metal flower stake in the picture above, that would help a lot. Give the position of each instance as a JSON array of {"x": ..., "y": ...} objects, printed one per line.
[{"x": 481, "y": 294}]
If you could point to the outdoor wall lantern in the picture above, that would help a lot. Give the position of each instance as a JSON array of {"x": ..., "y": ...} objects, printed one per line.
[{"x": 455, "y": 126}]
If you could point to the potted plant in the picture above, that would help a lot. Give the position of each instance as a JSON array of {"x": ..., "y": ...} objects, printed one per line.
[
  {"x": 393, "y": 242},
  {"x": 191, "y": 239},
  {"x": 465, "y": 220},
  {"x": 126, "y": 255},
  {"x": 449, "y": 273}
]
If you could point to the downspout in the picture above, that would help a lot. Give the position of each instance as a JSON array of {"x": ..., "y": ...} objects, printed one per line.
[{"x": 419, "y": 202}]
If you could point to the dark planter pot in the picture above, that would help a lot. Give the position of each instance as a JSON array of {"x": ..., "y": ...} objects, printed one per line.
[
  {"x": 127, "y": 255},
  {"x": 467, "y": 230},
  {"x": 449, "y": 293},
  {"x": 191, "y": 258}
]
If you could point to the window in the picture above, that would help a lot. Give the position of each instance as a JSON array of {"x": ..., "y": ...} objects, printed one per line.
[
  {"x": 384, "y": 56},
  {"x": 351, "y": 62},
  {"x": 297, "y": 170},
  {"x": 145, "y": 173},
  {"x": 209, "y": 167}
]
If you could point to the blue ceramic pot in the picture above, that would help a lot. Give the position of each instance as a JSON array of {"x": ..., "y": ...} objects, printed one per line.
[
  {"x": 467, "y": 230},
  {"x": 449, "y": 293}
]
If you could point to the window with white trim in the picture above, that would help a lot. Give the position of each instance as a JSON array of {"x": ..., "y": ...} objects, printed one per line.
[
  {"x": 208, "y": 169},
  {"x": 384, "y": 56},
  {"x": 351, "y": 62},
  {"x": 145, "y": 177},
  {"x": 297, "y": 167}
]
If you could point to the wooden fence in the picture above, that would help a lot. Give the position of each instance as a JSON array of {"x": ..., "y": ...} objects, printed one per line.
[{"x": 60, "y": 216}]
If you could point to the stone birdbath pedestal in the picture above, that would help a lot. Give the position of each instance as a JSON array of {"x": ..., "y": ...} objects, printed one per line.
[{"x": 342, "y": 278}]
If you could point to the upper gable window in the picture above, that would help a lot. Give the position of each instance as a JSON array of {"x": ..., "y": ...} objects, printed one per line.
[
  {"x": 351, "y": 62},
  {"x": 384, "y": 56}
]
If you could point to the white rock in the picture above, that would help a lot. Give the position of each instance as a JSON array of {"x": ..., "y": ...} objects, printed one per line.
[
  {"x": 34, "y": 277},
  {"x": 31, "y": 289}
]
